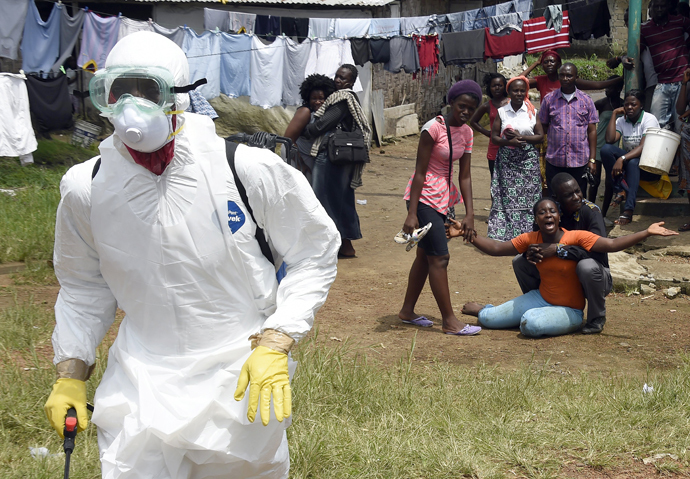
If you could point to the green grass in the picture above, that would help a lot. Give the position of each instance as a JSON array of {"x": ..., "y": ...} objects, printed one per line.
[
  {"x": 27, "y": 220},
  {"x": 356, "y": 419},
  {"x": 592, "y": 68}
]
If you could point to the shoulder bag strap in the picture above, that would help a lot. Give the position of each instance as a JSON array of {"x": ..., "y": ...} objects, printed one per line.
[
  {"x": 230, "y": 149},
  {"x": 450, "y": 159}
]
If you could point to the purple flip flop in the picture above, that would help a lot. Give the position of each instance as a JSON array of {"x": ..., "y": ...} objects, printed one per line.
[
  {"x": 420, "y": 321},
  {"x": 468, "y": 330}
]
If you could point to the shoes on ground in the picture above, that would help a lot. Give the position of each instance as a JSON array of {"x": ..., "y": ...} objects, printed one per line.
[{"x": 594, "y": 326}]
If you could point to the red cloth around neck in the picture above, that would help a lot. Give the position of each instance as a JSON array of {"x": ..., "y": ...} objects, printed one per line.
[{"x": 156, "y": 161}]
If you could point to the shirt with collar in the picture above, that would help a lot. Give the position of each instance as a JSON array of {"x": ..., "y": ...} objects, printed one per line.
[
  {"x": 667, "y": 47},
  {"x": 519, "y": 120},
  {"x": 632, "y": 133},
  {"x": 568, "y": 145}
]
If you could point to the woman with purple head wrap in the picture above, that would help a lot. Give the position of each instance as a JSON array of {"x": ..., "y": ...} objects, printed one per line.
[{"x": 431, "y": 195}]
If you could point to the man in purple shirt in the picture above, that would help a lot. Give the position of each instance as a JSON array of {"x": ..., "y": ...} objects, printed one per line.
[
  {"x": 664, "y": 35},
  {"x": 570, "y": 118}
]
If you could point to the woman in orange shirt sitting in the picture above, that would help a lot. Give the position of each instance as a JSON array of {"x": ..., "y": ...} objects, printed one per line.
[{"x": 557, "y": 306}]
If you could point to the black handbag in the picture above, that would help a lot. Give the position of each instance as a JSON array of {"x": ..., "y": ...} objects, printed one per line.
[{"x": 345, "y": 147}]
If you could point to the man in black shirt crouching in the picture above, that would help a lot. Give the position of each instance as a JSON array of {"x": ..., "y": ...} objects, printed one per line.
[{"x": 592, "y": 268}]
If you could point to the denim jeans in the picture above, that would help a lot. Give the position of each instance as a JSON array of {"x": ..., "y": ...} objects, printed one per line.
[
  {"x": 631, "y": 174},
  {"x": 664, "y": 104},
  {"x": 535, "y": 316}
]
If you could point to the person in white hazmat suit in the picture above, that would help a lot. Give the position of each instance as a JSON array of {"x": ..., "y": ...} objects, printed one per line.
[{"x": 161, "y": 232}]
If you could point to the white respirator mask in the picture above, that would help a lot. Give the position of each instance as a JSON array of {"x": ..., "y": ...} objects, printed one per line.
[
  {"x": 139, "y": 102},
  {"x": 141, "y": 127}
]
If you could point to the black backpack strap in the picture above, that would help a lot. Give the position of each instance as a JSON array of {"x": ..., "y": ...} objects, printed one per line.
[
  {"x": 96, "y": 167},
  {"x": 230, "y": 149}
]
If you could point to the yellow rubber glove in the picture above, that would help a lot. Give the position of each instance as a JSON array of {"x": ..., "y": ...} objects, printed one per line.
[
  {"x": 266, "y": 372},
  {"x": 67, "y": 393}
]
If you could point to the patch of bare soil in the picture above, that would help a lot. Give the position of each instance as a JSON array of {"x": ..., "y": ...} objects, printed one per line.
[
  {"x": 365, "y": 299},
  {"x": 641, "y": 334}
]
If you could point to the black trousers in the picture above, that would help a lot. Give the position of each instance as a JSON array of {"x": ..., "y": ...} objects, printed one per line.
[{"x": 578, "y": 173}]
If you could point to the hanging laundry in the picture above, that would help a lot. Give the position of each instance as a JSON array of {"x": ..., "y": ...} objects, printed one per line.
[
  {"x": 50, "y": 103},
  {"x": 481, "y": 20},
  {"x": 219, "y": 19},
  {"x": 41, "y": 41},
  {"x": 70, "y": 28},
  {"x": 384, "y": 27},
  {"x": 235, "y": 59},
  {"x": 267, "y": 26},
  {"x": 242, "y": 22},
  {"x": 97, "y": 39},
  {"x": 404, "y": 56},
  {"x": 504, "y": 24},
  {"x": 321, "y": 28},
  {"x": 456, "y": 21},
  {"x": 360, "y": 50},
  {"x": 129, "y": 26},
  {"x": 589, "y": 18},
  {"x": 462, "y": 47},
  {"x": 554, "y": 17},
  {"x": 352, "y": 27},
  {"x": 539, "y": 6},
  {"x": 538, "y": 38},
  {"x": 380, "y": 50},
  {"x": 505, "y": 8},
  {"x": 326, "y": 56},
  {"x": 410, "y": 25},
  {"x": 437, "y": 25},
  {"x": 12, "y": 20},
  {"x": 17, "y": 136},
  {"x": 200, "y": 105},
  {"x": 295, "y": 27},
  {"x": 296, "y": 57},
  {"x": 203, "y": 54},
  {"x": 523, "y": 7},
  {"x": 174, "y": 34},
  {"x": 267, "y": 67},
  {"x": 499, "y": 46},
  {"x": 428, "y": 50}
]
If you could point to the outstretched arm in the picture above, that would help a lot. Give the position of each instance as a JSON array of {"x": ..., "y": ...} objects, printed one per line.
[
  {"x": 598, "y": 85},
  {"x": 485, "y": 245},
  {"x": 611, "y": 245}
]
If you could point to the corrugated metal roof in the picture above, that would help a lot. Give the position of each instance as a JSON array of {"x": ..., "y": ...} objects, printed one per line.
[{"x": 325, "y": 3}]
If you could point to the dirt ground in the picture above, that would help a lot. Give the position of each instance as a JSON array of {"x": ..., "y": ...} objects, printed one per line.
[{"x": 640, "y": 334}]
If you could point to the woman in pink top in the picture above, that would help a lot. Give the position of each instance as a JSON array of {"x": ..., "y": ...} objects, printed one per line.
[
  {"x": 431, "y": 194},
  {"x": 495, "y": 87}
]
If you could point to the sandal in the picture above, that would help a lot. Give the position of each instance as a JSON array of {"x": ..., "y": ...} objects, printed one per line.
[
  {"x": 623, "y": 220},
  {"x": 685, "y": 227}
]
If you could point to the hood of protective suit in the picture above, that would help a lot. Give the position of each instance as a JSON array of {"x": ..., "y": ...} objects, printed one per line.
[{"x": 147, "y": 49}]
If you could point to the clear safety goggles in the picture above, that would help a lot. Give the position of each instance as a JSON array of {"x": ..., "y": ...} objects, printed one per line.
[{"x": 111, "y": 85}]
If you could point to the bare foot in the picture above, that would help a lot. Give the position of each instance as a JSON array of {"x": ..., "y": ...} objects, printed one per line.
[
  {"x": 408, "y": 315},
  {"x": 472, "y": 308},
  {"x": 452, "y": 325}
]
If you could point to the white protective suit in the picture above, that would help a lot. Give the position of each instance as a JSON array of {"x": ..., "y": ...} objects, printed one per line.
[{"x": 177, "y": 254}]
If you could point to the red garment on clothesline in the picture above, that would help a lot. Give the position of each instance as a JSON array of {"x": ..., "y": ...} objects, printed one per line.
[
  {"x": 538, "y": 38},
  {"x": 428, "y": 49},
  {"x": 503, "y": 46}
]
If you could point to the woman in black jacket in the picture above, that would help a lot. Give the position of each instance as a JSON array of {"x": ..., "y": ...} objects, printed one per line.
[{"x": 334, "y": 185}]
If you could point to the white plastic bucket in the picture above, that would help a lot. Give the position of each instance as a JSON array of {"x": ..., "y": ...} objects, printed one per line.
[
  {"x": 659, "y": 149},
  {"x": 84, "y": 133}
]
